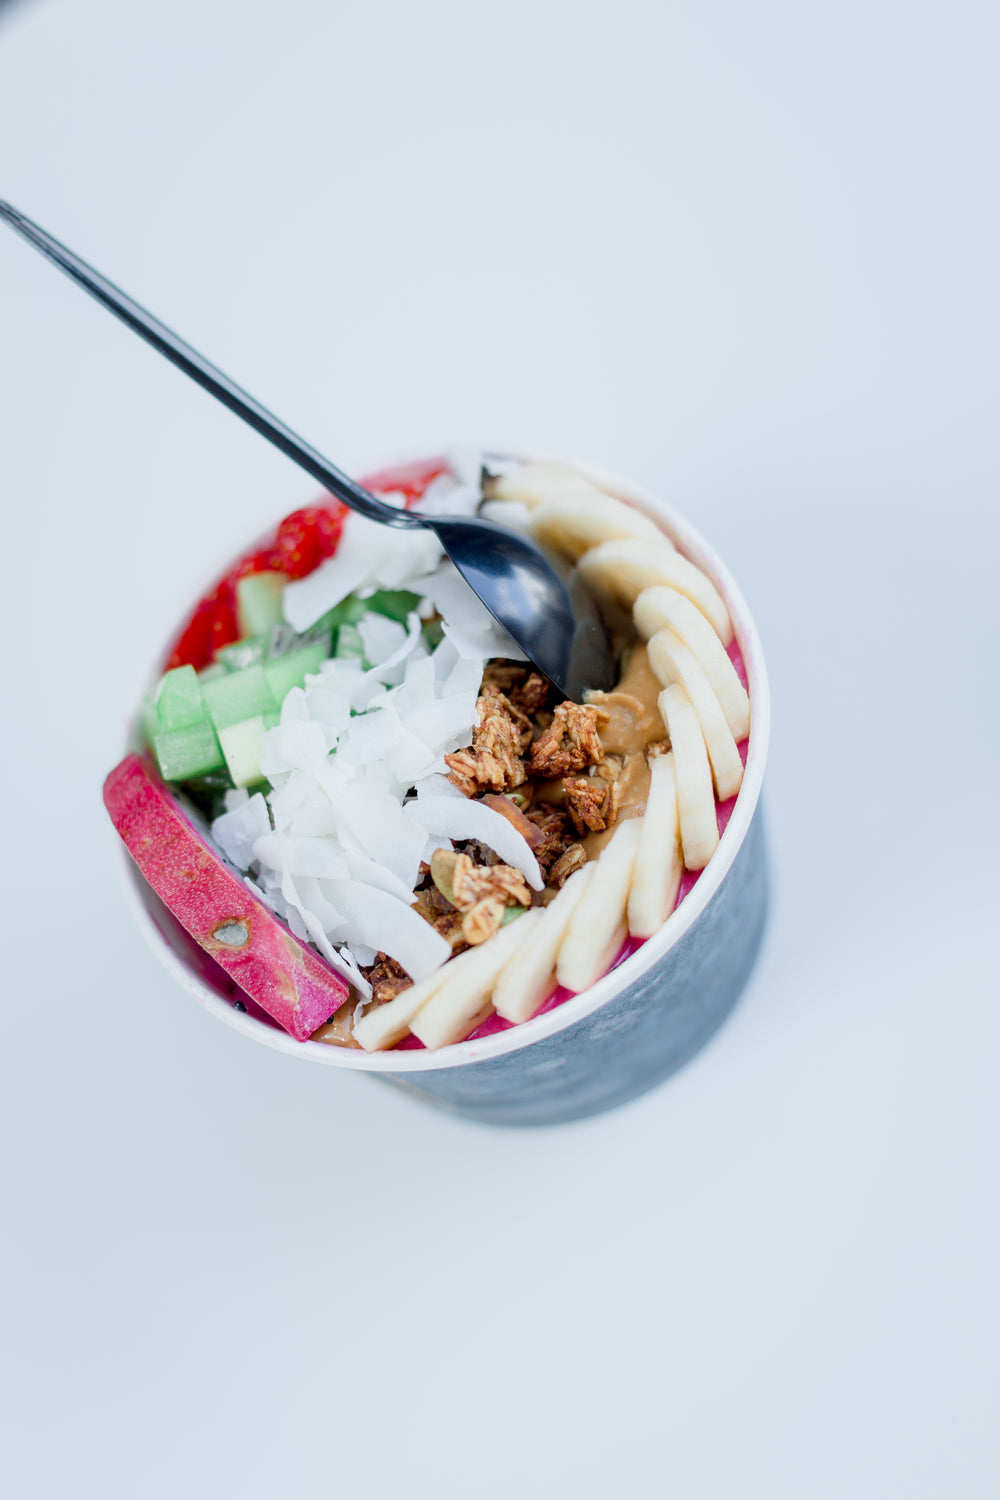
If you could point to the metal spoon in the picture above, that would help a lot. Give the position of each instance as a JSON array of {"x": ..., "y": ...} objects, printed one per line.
[{"x": 534, "y": 597}]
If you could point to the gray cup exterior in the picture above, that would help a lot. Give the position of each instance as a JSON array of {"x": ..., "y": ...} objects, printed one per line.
[{"x": 630, "y": 1030}]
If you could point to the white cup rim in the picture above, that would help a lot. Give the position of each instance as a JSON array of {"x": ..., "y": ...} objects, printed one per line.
[{"x": 550, "y": 1023}]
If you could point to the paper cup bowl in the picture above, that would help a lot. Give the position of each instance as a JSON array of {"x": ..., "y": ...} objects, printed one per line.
[{"x": 610, "y": 1043}]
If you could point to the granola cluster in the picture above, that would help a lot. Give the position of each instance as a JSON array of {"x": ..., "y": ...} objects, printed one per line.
[
  {"x": 542, "y": 767},
  {"x": 494, "y": 763}
]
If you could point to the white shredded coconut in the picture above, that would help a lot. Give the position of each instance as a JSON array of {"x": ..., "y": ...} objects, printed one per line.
[
  {"x": 237, "y": 829},
  {"x": 336, "y": 848}
]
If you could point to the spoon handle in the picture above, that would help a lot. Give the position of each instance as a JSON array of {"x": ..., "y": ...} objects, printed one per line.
[{"x": 205, "y": 373}]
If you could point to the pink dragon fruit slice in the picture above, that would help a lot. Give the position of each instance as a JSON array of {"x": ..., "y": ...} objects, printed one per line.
[{"x": 285, "y": 978}]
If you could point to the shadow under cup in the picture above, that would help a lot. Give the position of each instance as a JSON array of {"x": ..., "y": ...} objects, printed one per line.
[{"x": 628, "y": 1032}]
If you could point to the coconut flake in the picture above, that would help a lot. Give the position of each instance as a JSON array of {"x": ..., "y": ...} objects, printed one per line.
[
  {"x": 294, "y": 707},
  {"x": 360, "y": 549},
  {"x": 443, "y": 723},
  {"x": 236, "y": 830},
  {"x": 380, "y": 636},
  {"x": 314, "y": 817},
  {"x": 480, "y": 645},
  {"x": 465, "y": 461},
  {"x": 444, "y": 497},
  {"x": 411, "y": 759},
  {"x": 300, "y": 856},
  {"x": 465, "y": 819},
  {"x": 438, "y": 786},
  {"x": 371, "y": 736},
  {"x": 409, "y": 554},
  {"x": 388, "y": 925},
  {"x": 367, "y": 872},
  {"x": 454, "y": 599},
  {"x": 292, "y": 746},
  {"x": 370, "y": 820}
]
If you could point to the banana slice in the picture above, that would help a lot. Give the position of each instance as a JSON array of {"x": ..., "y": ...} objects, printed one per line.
[
  {"x": 695, "y": 798},
  {"x": 534, "y": 483},
  {"x": 573, "y": 522},
  {"x": 621, "y": 569},
  {"x": 388, "y": 1024},
  {"x": 672, "y": 662},
  {"x": 656, "y": 874},
  {"x": 661, "y": 608},
  {"x": 462, "y": 1001},
  {"x": 529, "y": 978},
  {"x": 597, "y": 928}
]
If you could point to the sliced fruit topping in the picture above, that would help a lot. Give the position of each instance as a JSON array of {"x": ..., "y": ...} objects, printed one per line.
[
  {"x": 189, "y": 753},
  {"x": 288, "y": 980},
  {"x": 673, "y": 662},
  {"x": 462, "y": 1001},
  {"x": 258, "y": 602},
  {"x": 528, "y": 980},
  {"x": 618, "y": 571},
  {"x": 239, "y": 696},
  {"x": 695, "y": 798},
  {"x": 572, "y": 523},
  {"x": 662, "y": 608},
  {"x": 659, "y": 865},
  {"x": 597, "y": 927}
]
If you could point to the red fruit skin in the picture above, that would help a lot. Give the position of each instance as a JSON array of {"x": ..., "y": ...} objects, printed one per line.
[{"x": 285, "y": 978}]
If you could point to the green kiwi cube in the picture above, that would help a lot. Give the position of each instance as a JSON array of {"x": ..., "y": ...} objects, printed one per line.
[
  {"x": 348, "y": 612},
  {"x": 239, "y": 696},
  {"x": 241, "y": 746},
  {"x": 290, "y": 670},
  {"x": 258, "y": 602},
  {"x": 397, "y": 604},
  {"x": 179, "y": 699},
  {"x": 242, "y": 654},
  {"x": 184, "y": 753}
]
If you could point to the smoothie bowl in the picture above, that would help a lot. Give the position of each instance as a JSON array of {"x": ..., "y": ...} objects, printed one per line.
[{"x": 365, "y": 831}]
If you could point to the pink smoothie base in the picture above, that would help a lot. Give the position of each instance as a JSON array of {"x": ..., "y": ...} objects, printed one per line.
[{"x": 723, "y": 812}]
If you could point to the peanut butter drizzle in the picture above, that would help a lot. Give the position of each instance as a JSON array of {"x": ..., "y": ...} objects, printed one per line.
[
  {"x": 337, "y": 1031},
  {"x": 633, "y": 723},
  {"x": 633, "y": 716}
]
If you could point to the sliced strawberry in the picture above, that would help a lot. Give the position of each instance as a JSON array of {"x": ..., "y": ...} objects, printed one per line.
[
  {"x": 213, "y": 624},
  {"x": 307, "y": 537}
]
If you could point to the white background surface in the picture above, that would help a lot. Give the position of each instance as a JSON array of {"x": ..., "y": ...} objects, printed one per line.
[{"x": 742, "y": 254}]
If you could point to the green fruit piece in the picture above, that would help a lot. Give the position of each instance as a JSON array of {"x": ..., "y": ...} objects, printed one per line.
[
  {"x": 348, "y": 612},
  {"x": 258, "y": 602},
  {"x": 349, "y": 642},
  {"x": 242, "y": 654},
  {"x": 288, "y": 671},
  {"x": 397, "y": 604},
  {"x": 212, "y": 672},
  {"x": 241, "y": 746},
  {"x": 179, "y": 699},
  {"x": 185, "y": 753},
  {"x": 239, "y": 696}
]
